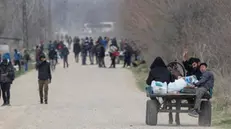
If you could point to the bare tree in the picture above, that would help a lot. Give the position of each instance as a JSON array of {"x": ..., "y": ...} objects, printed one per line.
[
  {"x": 11, "y": 20},
  {"x": 165, "y": 27}
]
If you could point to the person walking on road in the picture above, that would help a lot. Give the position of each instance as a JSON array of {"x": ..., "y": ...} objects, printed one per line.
[
  {"x": 101, "y": 55},
  {"x": 53, "y": 55},
  {"x": 127, "y": 56},
  {"x": 6, "y": 79},
  {"x": 26, "y": 58},
  {"x": 65, "y": 53},
  {"x": 76, "y": 49},
  {"x": 84, "y": 50},
  {"x": 91, "y": 51},
  {"x": 44, "y": 78},
  {"x": 17, "y": 59},
  {"x": 113, "y": 51}
]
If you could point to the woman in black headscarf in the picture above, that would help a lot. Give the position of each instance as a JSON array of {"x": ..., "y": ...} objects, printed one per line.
[{"x": 159, "y": 72}]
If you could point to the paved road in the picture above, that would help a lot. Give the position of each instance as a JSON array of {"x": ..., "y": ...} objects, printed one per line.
[{"x": 81, "y": 97}]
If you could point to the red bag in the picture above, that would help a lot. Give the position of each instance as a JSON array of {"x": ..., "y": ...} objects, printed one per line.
[{"x": 116, "y": 53}]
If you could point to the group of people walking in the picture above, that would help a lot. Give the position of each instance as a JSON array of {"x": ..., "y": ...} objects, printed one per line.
[
  {"x": 46, "y": 61},
  {"x": 96, "y": 51}
]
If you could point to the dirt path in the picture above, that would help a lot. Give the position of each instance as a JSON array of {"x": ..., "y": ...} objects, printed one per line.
[{"x": 81, "y": 97}]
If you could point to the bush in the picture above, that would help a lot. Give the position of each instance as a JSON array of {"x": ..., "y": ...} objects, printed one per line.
[{"x": 165, "y": 27}]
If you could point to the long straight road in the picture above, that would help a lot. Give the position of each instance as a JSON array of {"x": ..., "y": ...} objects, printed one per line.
[{"x": 81, "y": 97}]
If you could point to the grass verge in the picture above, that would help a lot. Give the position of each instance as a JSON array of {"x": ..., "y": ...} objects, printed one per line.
[
  {"x": 141, "y": 73},
  {"x": 22, "y": 72}
]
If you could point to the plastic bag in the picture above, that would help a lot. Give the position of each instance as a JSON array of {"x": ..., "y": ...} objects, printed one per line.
[
  {"x": 159, "y": 87},
  {"x": 190, "y": 80},
  {"x": 178, "y": 85}
]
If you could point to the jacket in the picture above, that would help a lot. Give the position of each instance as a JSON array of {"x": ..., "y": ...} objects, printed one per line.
[
  {"x": 76, "y": 47},
  {"x": 100, "y": 51},
  {"x": 159, "y": 72},
  {"x": 191, "y": 71},
  {"x": 44, "y": 71},
  {"x": 17, "y": 56},
  {"x": 52, "y": 54},
  {"x": 207, "y": 80},
  {"x": 7, "y": 73},
  {"x": 65, "y": 51}
]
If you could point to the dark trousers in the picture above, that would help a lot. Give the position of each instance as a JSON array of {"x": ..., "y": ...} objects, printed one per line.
[
  {"x": 113, "y": 62},
  {"x": 43, "y": 89},
  {"x": 91, "y": 57},
  {"x": 77, "y": 57},
  {"x": 101, "y": 62},
  {"x": 65, "y": 61},
  {"x": 127, "y": 61},
  {"x": 97, "y": 59},
  {"x": 200, "y": 92},
  {"x": 6, "y": 92},
  {"x": 84, "y": 58},
  {"x": 17, "y": 62},
  {"x": 56, "y": 60}
]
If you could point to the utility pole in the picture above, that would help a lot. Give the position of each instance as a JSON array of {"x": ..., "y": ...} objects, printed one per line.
[
  {"x": 49, "y": 21},
  {"x": 25, "y": 24}
]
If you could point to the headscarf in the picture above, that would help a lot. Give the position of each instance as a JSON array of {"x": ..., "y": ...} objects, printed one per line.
[{"x": 158, "y": 62}]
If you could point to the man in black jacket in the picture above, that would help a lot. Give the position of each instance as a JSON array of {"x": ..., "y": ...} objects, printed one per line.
[
  {"x": 192, "y": 65},
  {"x": 6, "y": 79},
  {"x": 77, "y": 49},
  {"x": 65, "y": 53},
  {"x": 44, "y": 78},
  {"x": 101, "y": 56}
]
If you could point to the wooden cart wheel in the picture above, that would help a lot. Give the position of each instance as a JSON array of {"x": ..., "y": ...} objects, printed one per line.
[{"x": 176, "y": 69}]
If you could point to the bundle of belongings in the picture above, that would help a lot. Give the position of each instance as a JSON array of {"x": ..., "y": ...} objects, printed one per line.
[{"x": 173, "y": 87}]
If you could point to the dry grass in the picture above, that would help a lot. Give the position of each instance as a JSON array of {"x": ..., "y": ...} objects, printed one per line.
[{"x": 165, "y": 27}]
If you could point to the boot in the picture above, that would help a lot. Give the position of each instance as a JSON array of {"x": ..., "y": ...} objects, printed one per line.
[
  {"x": 46, "y": 102},
  {"x": 4, "y": 104},
  {"x": 41, "y": 101},
  {"x": 8, "y": 103}
]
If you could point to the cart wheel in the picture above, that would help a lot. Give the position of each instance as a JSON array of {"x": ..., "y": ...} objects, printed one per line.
[
  {"x": 152, "y": 108},
  {"x": 205, "y": 114},
  {"x": 176, "y": 67}
]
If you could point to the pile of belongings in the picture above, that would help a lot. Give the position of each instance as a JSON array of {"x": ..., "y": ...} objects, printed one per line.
[{"x": 173, "y": 87}]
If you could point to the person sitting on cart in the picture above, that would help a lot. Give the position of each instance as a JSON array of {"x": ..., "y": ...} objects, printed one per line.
[
  {"x": 192, "y": 65},
  {"x": 159, "y": 72},
  {"x": 203, "y": 86}
]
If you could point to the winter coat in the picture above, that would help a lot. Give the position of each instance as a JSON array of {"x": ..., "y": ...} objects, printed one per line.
[
  {"x": 207, "y": 80},
  {"x": 159, "y": 72},
  {"x": 76, "y": 47},
  {"x": 44, "y": 72},
  {"x": 7, "y": 73},
  {"x": 52, "y": 54},
  {"x": 65, "y": 51}
]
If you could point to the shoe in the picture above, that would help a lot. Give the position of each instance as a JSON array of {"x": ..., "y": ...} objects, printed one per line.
[
  {"x": 193, "y": 113},
  {"x": 4, "y": 104},
  {"x": 41, "y": 101},
  {"x": 46, "y": 102}
]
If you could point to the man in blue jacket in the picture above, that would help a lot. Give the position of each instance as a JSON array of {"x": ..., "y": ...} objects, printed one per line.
[{"x": 17, "y": 59}]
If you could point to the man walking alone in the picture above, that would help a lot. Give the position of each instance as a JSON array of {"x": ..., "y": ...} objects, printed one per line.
[
  {"x": 76, "y": 49},
  {"x": 44, "y": 78},
  {"x": 65, "y": 53},
  {"x": 6, "y": 79}
]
